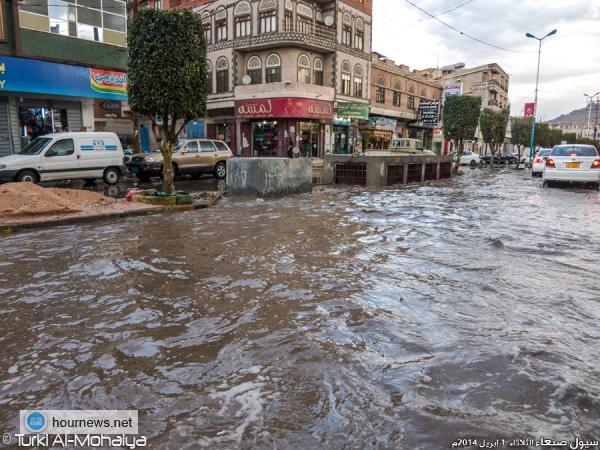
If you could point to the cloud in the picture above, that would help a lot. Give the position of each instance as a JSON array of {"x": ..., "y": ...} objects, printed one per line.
[{"x": 570, "y": 59}]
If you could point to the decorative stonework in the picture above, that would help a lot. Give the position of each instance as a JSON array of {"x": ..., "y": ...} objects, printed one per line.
[
  {"x": 304, "y": 10},
  {"x": 265, "y": 5},
  {"x": 222, "y": 63},
  {"x": 221, "y": 14},
  {"x": 288, "y": 5},
  {"x": 254, "y": 63},
  {"x": 242, "y": 8},
  {"x": 273, "y": 60}
]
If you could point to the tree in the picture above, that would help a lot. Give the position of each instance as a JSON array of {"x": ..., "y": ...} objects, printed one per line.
[
  {"x": 461, "y": 116},
  {"x": 492, "y": 124},
  {"x": 520, "y": 135},
  {"x": 167, "y": 74},
  {"x": 571, "y": 138}
]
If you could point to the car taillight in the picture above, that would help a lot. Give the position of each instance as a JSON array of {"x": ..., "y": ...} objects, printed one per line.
[
  {"x": 537, "y": 160},
  {"x": 550, "y": 163},
  {"x": 596, "y": 164}
]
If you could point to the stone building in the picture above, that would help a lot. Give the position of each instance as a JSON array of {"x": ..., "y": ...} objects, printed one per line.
[
  {"x": 396, "y": 94},
  {"x": 280, "y": 69}
]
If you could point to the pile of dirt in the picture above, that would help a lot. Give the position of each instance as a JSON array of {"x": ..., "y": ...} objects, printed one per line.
[{"x": 24, "y": 202}]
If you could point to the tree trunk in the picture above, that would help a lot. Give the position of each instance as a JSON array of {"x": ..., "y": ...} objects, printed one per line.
[
  {"x": 491, "y": 163},
  {"x": 459, "y": 153},
  {"x": 168, "y": 173},
  {"x": 518, "y": 157},
  {"x": 136, "y": 134}
]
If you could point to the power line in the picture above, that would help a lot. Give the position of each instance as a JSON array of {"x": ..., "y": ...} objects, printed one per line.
[
  {"x": 432, "y": 16},
  {"x": 447, "y": 11}
]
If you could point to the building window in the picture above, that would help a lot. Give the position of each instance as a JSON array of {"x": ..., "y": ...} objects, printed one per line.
[
  {"x": 346, "y": 35},
  {"x": 268, "y": 22},
  {"x": 397, "y": 98},
  {"x": 254, "y": 70},
  {"x": 410, "y": 101},
  {"x": 303, "y": 69},
  {"x": 346, "y": 74},
  {"x": 380, "y": 94},
  {"x": 222, "y": 75},
  {"x": 288, "y": 20},
  {"x": 358, "y": 81},
  {"x": 273, "y": 68},
  {"x": 221, "y": 25},
  {"x": 242, "y": 26},
  {"x": 358, "y": 39},
  {"x": 206, "y": 25},
  {"x": 209, "y": 78},
  {"x": 318, "y": 71},
  {"x": 158, "y": 4},
  {"x": 85, "y": 19}
]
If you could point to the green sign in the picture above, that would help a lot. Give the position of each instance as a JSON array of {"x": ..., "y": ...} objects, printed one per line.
[{"x": 352, "y": 110}]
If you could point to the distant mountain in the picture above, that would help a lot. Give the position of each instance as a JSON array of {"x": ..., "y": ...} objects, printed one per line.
[{"x": 577, "y": 116}]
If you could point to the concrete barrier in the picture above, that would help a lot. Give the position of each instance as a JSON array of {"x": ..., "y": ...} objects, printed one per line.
[
  {"x": 380, "y": 169},
  {"x": 268, "y": 177}
]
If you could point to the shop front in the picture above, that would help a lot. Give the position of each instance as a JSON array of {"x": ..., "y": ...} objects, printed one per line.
[
  {"x": 40, "y": 97},
  {"x": 347, "y": 135},
  {"x": 379, "y": 132},
  {"x": 270, "y": 126}
]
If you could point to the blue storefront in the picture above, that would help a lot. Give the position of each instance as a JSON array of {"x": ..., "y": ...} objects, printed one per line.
[{"x": 40, "y": 97}]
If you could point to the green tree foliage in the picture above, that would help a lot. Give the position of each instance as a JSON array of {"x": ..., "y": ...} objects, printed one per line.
[
  {"x": 167, "y": 73},
  {"x": 461, "y": 116},
  {"x": 571, "y": 138},
  {"x": 520, "y": 135},
  {"x": 492, "y": 125}
]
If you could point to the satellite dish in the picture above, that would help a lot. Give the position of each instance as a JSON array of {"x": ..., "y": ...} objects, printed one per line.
[
  {"x": 328, "y": 20},
  {"x": 246, "y": 79}
]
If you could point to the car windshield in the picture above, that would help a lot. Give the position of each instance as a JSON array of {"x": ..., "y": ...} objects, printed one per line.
[
  {"x": 35, "y": 146},
  {"x": 544, "y": 152},
  {"x": 576, "y": 150}
]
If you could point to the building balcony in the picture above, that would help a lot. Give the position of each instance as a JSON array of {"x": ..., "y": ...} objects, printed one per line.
[
  {"x": 285, "y": 89},
  {"x": 300, "y": 34}
]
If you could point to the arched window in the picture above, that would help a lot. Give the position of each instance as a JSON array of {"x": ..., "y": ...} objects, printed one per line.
[
  {"x": 254, "y": 70},
  {"x": 397, "y": 94},
  {"x": 346, "y": 75},
  {"x": 346, "y": 29},
  {"x": 222, "y": 68},
  {"x": 221, "y": 25},
  {"x": 207, "y": 26},
  {"x": 358, "y": 81},
  {"x": 241, "y": 17},
  {"x": 288, "y": 16},
  {"x": 303, "y": 69},
  {"x": 267, "y": 16},
  {"x": 359, "y": 34},
  {"x": 380, "y": 90},
  {"x": 304, "y": 18},
  {"x": 273, "y": 68},
  {"x": 318, "y": 71},
  {"x": 209, "y": 77}
]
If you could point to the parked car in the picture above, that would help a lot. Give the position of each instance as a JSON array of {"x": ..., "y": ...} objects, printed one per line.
[
  {"x": 66, "y": 156},
  {"x": 539, "y": 162},
  {"x": 574, "y": 164},
  {"x": 468, "y": 158},
  {"x": 506, "y": 158},
  {"x": 190, "y": 156},
  {"x": 406, "y": 145}
]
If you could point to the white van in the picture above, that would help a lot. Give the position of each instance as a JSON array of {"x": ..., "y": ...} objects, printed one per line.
[{"x": 66, "y": 156}]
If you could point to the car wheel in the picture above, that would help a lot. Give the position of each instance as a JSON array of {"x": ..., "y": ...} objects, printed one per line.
[
  {"x": 111, "y": 175},
  {"x": 220, "y": 170},
  {"x": 28, "y": 176},
  {"x": 473, "y": 163}
]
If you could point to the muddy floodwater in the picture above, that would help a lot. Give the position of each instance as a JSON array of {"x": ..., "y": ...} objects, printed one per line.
[{"x": 401, "y": 318}]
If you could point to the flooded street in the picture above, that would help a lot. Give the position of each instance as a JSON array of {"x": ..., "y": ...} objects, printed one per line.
[{"x": 401, "y": 318}]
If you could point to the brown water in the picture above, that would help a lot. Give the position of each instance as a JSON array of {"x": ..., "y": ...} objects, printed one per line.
[{"x": 402, "y": 318}]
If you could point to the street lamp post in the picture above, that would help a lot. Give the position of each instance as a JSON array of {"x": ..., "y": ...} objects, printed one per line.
[
  {"x": 537, "y": 80},
  {"x": 589, "y": 124}
]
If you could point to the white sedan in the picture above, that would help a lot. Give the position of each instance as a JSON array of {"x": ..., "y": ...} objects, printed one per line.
[
  {"x": 469, "y": 158},
  {"x": 572, "y": 163},
  {"x": 539, "y": 162}
]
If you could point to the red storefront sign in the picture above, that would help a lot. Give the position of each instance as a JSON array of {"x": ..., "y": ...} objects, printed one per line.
[
  {"x": 287, "y": 107},
  {"x": 529, "y": 110}
]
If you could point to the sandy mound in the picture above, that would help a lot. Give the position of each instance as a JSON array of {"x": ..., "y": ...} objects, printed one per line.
[{"x": 28, "y": 199}]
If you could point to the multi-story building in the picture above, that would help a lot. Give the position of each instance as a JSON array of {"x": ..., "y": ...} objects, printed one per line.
[
  {"x": 280, "y": 70},
  {"x": 396, "y": 94},
  {"x": 56, "y": 59}
]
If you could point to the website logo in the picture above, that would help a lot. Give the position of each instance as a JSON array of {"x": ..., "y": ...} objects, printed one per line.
[
  {"x": 35, "y": 421},
  {"x": 108, "y": 81}
]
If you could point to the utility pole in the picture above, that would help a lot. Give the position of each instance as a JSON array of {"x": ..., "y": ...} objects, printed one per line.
[{"x": 596, "y": 121}]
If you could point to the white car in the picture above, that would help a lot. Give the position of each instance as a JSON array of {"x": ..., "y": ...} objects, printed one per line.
[
  {"x": 574, "y": 164},
  {"x": 66, "y": 156},
  {"x": 539, "y": 162},
  {"x": 469, "y": 158}
]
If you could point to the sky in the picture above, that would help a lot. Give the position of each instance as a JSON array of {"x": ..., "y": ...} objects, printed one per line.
[{"x": 570, "y": 64}]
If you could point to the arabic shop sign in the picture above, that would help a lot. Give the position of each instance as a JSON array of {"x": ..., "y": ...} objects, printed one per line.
[
  {"x": 43, "y": 77},
  {"x": 288, "y": 107},
  {"x": 429, "y": 113},
  {"x": 352, "y": 110},
  {"x": 382, "y": 123}
]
